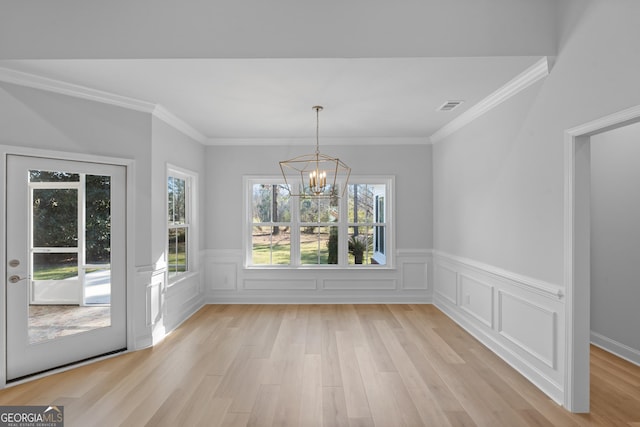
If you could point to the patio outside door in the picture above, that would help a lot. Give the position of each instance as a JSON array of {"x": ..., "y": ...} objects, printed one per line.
[{"x": 66, "y": 262}]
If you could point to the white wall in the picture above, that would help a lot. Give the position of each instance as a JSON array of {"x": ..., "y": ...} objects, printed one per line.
[
  {"x": 498, "y": 192},
  {"x": 44, "y": 120},
  {"x": 615, "y": 241},
  {"x": 229, "y": 281},
  {"x": 184, "y": 296}
]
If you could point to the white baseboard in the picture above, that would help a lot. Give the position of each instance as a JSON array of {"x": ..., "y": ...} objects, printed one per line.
[
  {"x": 621, "y": 350},
  {"x": 274, "y": 297}
]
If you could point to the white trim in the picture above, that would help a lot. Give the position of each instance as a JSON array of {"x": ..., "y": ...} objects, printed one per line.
[
  {"x": 603, "y": 124},
  {"x": 534, "y": 285},
  {"x": 326, "y": 141},
  {"x": 130, "y": 214},
  {"x": 191, "y": 179},
  {"x": 550, "y": 362},
  {"x": 177, "y": 123},
  {"x": 623, "y": 351},
  {"x": 576, "y": 245},
  {"x": 21, "y": 78},
  {"x": 343, "y": 225},
  {"x": 311, "y": 297},
  {"x": 537, "y": 71}
]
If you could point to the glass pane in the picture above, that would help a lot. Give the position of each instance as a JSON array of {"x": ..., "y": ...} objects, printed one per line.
[
  {"x": 309, "y": 210},
  {"x": 177, "y": 252},
  {"x": 55, "y": 218},
  {"x": 54, "y": 309},
  {"x": 362, "y": 202},
  {"x": 48, "y": 176},
  {"x": 97, "y": 288},
  {"x": 55, "y": 266},
  {"x": 360, "y": 245},
  {"x": 270, "y": 203},
  {"x": 379, "y": 239},
  {"x": 176, "y": 190},
  {"x": 98, "y": 219},
  {"x": 319, "y": 209},
  {"x": 271, "y": 245},
  {"x": 315, "y": 243}
]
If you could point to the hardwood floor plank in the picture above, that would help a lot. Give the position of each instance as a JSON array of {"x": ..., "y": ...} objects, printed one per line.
[
  {"x": 331, "y": 376},
  {"x": 334, "y": 407},
  {"x": 384, "y": 411},
  {"x": 426, "y": 403},
  {"x": 311, "y": 393},
  {"x": 329, "y": 365},
  {"x": 355, "y": 396},
  {"x": 265, "y": 405}
]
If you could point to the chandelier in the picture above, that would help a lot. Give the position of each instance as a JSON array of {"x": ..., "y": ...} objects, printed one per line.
[{"x": 315, "y": 175}]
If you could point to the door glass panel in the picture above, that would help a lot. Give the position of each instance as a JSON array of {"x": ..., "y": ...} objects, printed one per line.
[
  {"x": 55, "y": 266},
  {"x": 70, "y": 286},
  {"x": 52, "y": 176},
  {"x": 55, "y": 217},
  {"x": 98, "y": 220},
  {"x": 97, "y": 289}
]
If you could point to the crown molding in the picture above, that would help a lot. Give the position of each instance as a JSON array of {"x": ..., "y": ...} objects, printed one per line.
[
  {"x": 176, "y": 122},
  {"x": 537, "y": 71},
  {"x": 21, "y": 78},
  {"x": 612, "y": 121},
  {"x": 323, "y": 141}
]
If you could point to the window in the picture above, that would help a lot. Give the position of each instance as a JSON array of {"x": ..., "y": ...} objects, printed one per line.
[
  {"x": 290, "y": 231},
  {"x": 179, "y": 222}
]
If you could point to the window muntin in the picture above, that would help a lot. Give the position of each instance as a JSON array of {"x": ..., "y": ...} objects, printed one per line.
[
  {"x": 291, "y": 231},
  {"x": 367, "y": 226},
  {"x": 179, "y": 223},
  {"x": 271, "y": 224}
]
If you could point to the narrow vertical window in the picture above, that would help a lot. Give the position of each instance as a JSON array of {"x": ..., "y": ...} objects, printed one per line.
[
  {"x": 366, "y": 224},
  {"x": 178, "y": 192}
]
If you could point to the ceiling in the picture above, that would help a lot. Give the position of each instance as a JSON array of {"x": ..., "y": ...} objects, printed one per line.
[{"x": 257, "y": 98}]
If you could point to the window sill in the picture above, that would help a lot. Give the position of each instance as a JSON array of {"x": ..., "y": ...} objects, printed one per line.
[
  {"x": 176, "y": 280},
  {"x": 318, "y": 268}
]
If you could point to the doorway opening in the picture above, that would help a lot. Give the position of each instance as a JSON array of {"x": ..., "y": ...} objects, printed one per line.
[{"x": 577, "y": 252}]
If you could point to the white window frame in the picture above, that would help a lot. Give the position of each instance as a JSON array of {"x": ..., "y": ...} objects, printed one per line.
[
  {"x": 190, "y": 178},
  {"x": 386, "y": 260}
]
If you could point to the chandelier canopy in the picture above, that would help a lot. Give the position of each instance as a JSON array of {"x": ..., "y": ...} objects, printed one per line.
[{"x": 315, "y": 175}]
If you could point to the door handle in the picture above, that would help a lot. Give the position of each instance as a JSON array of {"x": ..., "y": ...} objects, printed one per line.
[{"x": 15, "y": 278}]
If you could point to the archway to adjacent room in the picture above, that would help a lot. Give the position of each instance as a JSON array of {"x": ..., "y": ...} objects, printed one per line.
[{"x": 577, "y": 253}]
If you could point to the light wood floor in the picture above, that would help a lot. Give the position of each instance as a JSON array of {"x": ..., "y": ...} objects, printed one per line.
[{"x": 331, "y": 365}]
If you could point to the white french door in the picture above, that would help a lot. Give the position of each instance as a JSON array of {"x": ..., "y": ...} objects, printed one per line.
[{"x": 66, "y": 262}]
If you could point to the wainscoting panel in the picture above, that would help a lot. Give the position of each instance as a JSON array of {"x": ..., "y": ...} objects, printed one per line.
[
  {"x": 155, "y": 297},
  {"x": 414, "y": 275},
  {"x": 228, "y": 281},
  {"x": 519, "y": 318},
  {"x": 183, "y": 298},
  {"x": 529, "y": 326},
  {"x": 279, "y": 284},
  {"x": 355, "y": 284},
  {"x": 222, "y": 275},
  {"x": 446, "y": 283},
  {"x": 477, "y": 299}
]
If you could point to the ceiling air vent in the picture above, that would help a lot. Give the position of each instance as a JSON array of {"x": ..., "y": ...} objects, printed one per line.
[{"x": 449, "y": 105}]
